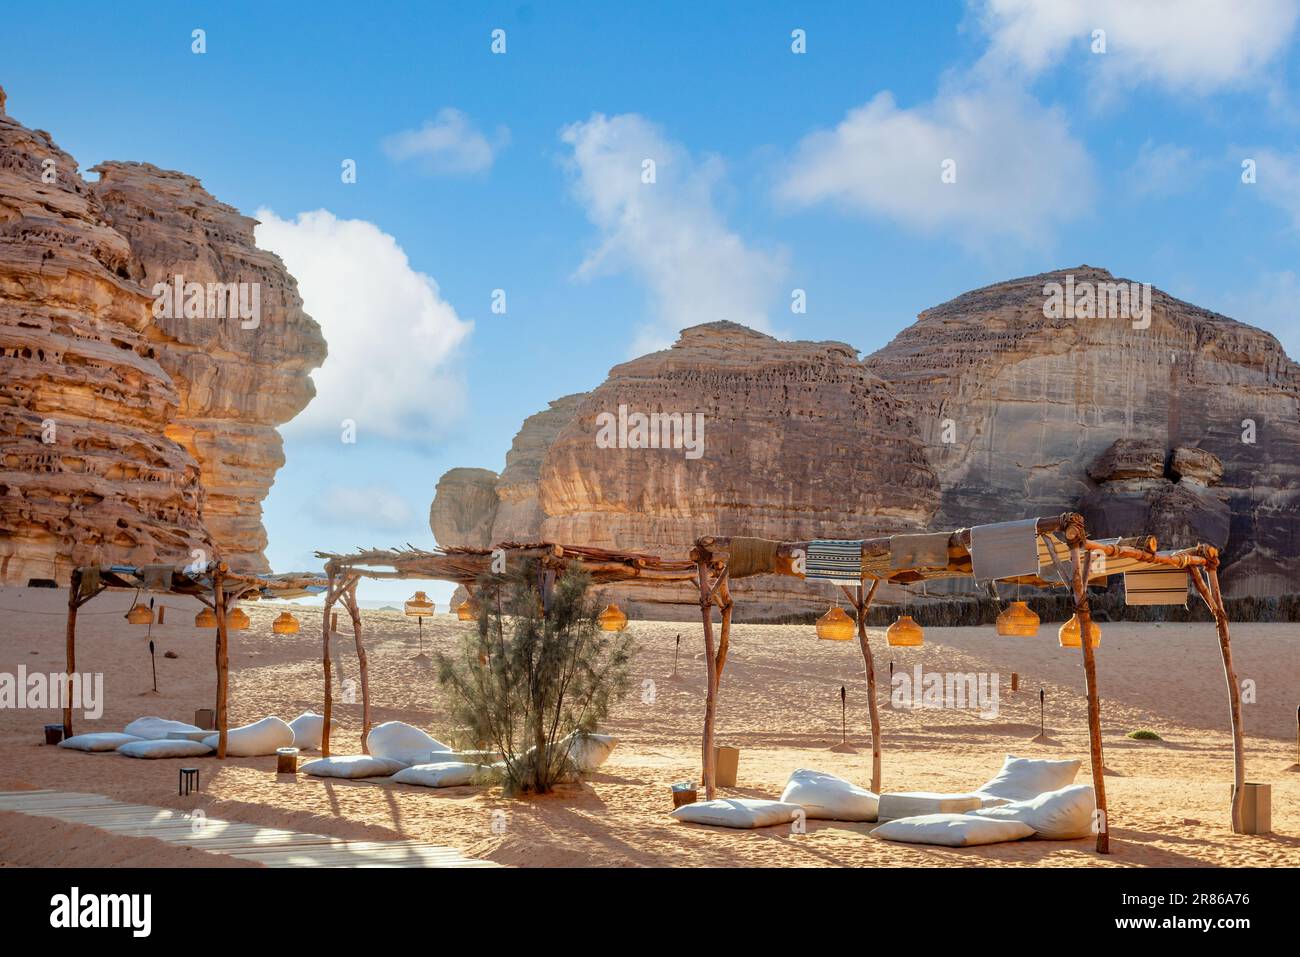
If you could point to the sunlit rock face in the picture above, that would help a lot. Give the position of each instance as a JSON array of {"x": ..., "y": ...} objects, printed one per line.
[
  {"x": 1013, "y": 406},
  {"x": 87, "y": 472},
  {"x": 237, "y": 378}
]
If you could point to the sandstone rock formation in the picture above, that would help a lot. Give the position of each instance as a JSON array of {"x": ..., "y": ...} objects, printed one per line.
[
  {"x": 164, "y": 428},
  {"x": 86, "y": 472},
  {"x": 1030, "y": 402},
  {"x": 519, "y": 516},
  {"x": 236, "y": 384},
  {"x": 464, "y": 506}
]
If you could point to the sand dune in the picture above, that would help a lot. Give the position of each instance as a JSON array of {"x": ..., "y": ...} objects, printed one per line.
[{"x": 779, "y": 703}]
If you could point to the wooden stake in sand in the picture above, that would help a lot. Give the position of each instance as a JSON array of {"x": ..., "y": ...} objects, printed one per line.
[{"x": 153, "y": 663}]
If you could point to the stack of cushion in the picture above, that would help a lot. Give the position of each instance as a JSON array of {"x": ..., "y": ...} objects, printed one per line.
[
  {"x": 98, "y": 741},
  {"x": 827, "y": 797},
  {"x": 352, "y": 766},
  {"x": 164, "y": 748},
  {"x": 443, "y": 774},
  {"x": 404, "y": 743},
  {"x": 256, "y": 739},
  {"x": 738, "y": 812}
]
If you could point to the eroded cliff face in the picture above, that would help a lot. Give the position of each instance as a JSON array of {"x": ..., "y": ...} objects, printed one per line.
[
  {"x": 130, "y": 436},
  {"x": 1030, "y": 402},
  {"x": 237, "y": 381},
  {"x": 86, "y": 471}
]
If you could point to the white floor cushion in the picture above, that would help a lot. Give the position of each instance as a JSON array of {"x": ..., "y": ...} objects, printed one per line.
[
  {"x": 352, "y": 766},
  {"x": 590, "y": 751},
  {"x": 1055, "y": 816},
  {"x": 952, "y": 830},
  {"x": 98, "y": 741},
  {"x": 402, "y": 742},
  {"x": 155, "y": 729},
  {"x": 444, "y": 774},
  {"x": 166, "y": 748},
  {"x": 256, "y": 739},
  {"x": 896, "y": 804},
  {"x": 307, "y": 730},
  {"x": 1023, "y": 778},
  {"x": 737, "y": 812},
  {"x": 827, "y": 797}
]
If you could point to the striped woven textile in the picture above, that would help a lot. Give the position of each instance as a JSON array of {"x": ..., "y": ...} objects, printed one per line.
[
  {"x": 1164, "y": 587},
  {"x": 834, "y": 560}
]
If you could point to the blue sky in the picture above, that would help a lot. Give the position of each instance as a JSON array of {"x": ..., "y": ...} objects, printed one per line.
[{"x": 775, "y": 171}]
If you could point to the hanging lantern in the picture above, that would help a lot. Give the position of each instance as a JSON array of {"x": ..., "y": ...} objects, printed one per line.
[
  {"x": 419, "y": 606},
  {"x": 835, "y": 625},
  {"x": 140, "y": 614},
  {"x": 612, "y": 618},
  {"x": 237, "y": 620},
  {"x": 905, "y": 633},
  {"x": 1018, "y": 621},
  {"x": 1069, "y": 634},
  {"x": 207, "y": 618},
  {"x": 466, "y": 610},
  {"x": 286, "y": 624}
]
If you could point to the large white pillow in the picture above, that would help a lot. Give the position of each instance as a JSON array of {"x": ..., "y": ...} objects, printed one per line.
[
  {"x": 444, "y": 774},
  {"x": 825, "y": 796},
  {"x": 896, "y": 804},
  {"x": 256, "y": 739},
  {"x": 155, "y": 729},
  {"x": 166, "y": 748},
  {"x": 738, "y": 812},
  {"x": 590, "y": 751},
  {"x": 352, "y": 766},
  {"x": 952, "y": 830},
  {"x": 1055, "y": 816},
  {"x": 1023, "y": 778},
  {"x": 98, "y": 741},
  {"x": 307, "y": 730},
  {"x": 402, "y": 742}
]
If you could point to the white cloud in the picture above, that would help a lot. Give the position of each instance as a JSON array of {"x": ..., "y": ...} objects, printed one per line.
[
  {"x": 448, "y": 144},
  {"x": 1163, "y": 169},
  {"x": 1272, "y": 303},
  {"x": 1018, "y": 169},
  {"x": 1195, "y": 45},
  {"x": 391, "y": 336},
  {"x": 1277, "y": 179},
  {"x": 371, "y": 506},
  {"x": 670, "y": 233}
]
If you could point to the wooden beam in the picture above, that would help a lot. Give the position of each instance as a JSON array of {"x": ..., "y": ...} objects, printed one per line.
[
  {"x": 711, "y": 678},
  {"x": 328, "y": 708},
  {"x": 74, "y": 602},
  {"x": 1080, "y": 560},
  {"x": 354, "y": 611},
  {"x": 223, "y": 658},
  {"x": 1213, "y": 599}
]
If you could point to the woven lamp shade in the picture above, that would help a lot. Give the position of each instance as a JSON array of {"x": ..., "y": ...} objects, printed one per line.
[
  {"x": 1069, "y": 634},
  {"x": 286, "y": 624},
  {"x": 140, "y": 614},
  {"x": 1018, "y": 621},
  {"x": 835, "y": 625},
  {"x": 207, "y": 618},
  {"x": 467, "y": 610},
  {"x": 237, "y": 620},
  {"x": 419, "y": 605},
  {"x": 612, "y": 618},
  {"x": 905, "y": 633}
]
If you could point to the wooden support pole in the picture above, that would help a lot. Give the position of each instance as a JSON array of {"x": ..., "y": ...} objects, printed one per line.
[
  {"x": 1079, "y": 561},
  {"x": 326, "y": 621},
  {"x": 862, "y": 603},
  {"x": 1213, "y": 599},
  {"x": 223, "y": 658},
  {"x": 350, "y": 600},
  {"x": 711, "y": 678},
  {"x": 724, "y": 633},
  {"x": 74, "y": 602}
]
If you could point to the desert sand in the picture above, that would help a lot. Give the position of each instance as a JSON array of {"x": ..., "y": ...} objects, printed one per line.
[{"x": 779, "y": 704}]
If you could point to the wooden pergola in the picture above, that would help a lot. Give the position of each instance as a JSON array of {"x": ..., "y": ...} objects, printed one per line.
[
  {"x": 466, "y": 566},
  {"x": 1066, "y": 533},
  {"x": 212, "y": 583}
]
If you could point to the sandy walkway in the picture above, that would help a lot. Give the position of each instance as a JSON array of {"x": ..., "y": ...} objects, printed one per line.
[{"x": 779, "y": 704}]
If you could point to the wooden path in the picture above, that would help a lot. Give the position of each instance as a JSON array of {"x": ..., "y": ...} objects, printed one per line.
[{"x": 269, "y": 846}]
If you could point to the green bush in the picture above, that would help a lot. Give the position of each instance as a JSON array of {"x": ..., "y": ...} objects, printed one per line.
[{"x": 1142, "y": 734}]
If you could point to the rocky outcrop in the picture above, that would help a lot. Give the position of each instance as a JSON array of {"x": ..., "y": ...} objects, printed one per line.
[
  {"x": 1014, "y": 404},
  {"x": 519, "y": 516},
  {"x": 1143, "y": 490},
  {"x": 237, "y": 378},
  {"x": 86, "y": 471},
  {"x": 464, "y": 506},
  {"x": 159, "y": 429}
]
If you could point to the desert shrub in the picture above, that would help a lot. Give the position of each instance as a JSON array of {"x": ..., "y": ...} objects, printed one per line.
[
  {"x": 524, "y": 678},
  {"x": 1144, "y": 734}
]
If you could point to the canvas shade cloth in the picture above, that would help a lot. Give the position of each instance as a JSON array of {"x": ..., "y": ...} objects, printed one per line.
[
  {"x": 918, "y": 551},
  {"x": 1164, "y": 587},
  {"x": 752, "y": 556},
  {"x": 834, "y": 560},
  {"x": 1004, "y": 550}
]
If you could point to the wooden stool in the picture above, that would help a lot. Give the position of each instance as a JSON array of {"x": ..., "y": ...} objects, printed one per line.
[
  {"x": 53, "y": 733},
  {"x": 189, "y": 780},
  {"x": 286, "y": 760}
]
